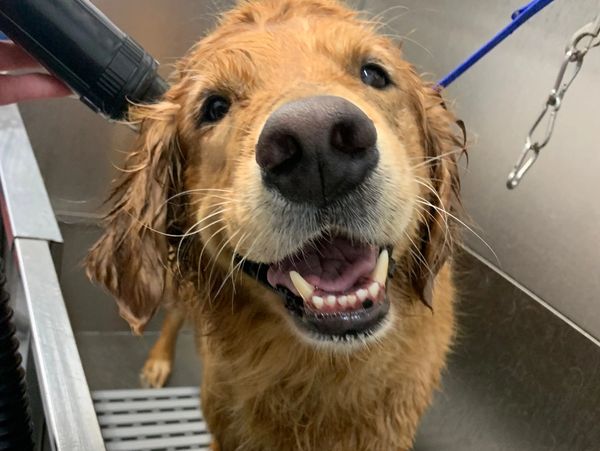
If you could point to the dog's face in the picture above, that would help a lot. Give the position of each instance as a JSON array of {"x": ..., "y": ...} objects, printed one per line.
[{"x": 298, "y": 146}]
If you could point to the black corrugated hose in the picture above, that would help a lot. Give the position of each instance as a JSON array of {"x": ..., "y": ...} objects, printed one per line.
[{"x": 15, "y": 422}]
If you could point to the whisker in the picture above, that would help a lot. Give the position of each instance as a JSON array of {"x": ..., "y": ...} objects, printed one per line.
[
  {"x": 189, "y": 232},
  {"x": 243, "y": 260},
  {"x": 248, "y": 253},
  {"x": 152, "y": 229},
  {"x": 215, "y": 258},
  {"x": 218, "y": 194},
  {"x": 429, "y": 204},
  {"x": 420, "y": 181},
  {"x": 419, "y": 255},
  {"x": 199, "y": 190},
  {"x": 376, "y": 20},
  {"x": 186, "y": 235},
  {"x": 197, "y": 201},
  {"x": 412, "y": 41},
  {"x": 230, "y": 273},
  {"x": 438, "y": 157},
  {"x": 209, "y": 288},
  {"x": 234, "y": 267}
]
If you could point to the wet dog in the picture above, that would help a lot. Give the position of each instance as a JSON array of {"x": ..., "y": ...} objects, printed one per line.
[{"x": 293, "y": 194}]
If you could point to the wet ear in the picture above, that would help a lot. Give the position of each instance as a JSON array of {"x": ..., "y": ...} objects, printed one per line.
[
  {"x": 130, "y": 259},
  {"x": 444, "y": 140}
]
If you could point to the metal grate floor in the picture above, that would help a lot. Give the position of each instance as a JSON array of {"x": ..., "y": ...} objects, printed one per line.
[{"x": 153, "y": 419}]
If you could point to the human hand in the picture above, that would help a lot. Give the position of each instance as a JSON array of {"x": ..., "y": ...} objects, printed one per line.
[{"x": 15, "y": 88}]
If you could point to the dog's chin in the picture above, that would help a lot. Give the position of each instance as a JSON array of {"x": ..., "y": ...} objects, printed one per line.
[{"x": 333, "y": 289}]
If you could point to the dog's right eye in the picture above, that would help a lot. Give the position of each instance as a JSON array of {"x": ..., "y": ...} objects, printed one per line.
[{"x": 214, "y": 109}]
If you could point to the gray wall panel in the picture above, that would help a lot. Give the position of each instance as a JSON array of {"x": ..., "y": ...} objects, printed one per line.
[{"x": 545, "y": 233}]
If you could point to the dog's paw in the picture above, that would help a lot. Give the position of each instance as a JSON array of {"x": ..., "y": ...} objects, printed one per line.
[{"x": 155, "y": 373}]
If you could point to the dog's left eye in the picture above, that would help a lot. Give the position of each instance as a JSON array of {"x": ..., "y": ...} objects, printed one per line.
[
  {"x": 214, "y": 109},
  {"x": 375, "y": 76}
]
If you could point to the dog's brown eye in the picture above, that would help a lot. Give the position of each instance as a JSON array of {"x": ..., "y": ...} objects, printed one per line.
[
  {"x": 375, "y": 76},
  {"x": 214, "y": 109}
]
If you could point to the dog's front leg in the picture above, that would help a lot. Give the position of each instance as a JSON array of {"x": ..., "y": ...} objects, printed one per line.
[{"x": 159, "y": 363}]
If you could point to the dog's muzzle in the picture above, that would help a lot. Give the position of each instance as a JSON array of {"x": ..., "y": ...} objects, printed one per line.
[{"x": 334, "y": 289}]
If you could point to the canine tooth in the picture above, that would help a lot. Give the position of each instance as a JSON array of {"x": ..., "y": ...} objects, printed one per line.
[
  {"x": 331, "y": 300},
  {"x": 379, "y": 274},
  {"x": 362, "y": 294},
  {"x": 317, "y": 302},
  {"x": 374, "y": 289},
  {"x": 343, "y": 301},
  {"x": 305, "y": 289},
  {"x": 352, "y": 300}
]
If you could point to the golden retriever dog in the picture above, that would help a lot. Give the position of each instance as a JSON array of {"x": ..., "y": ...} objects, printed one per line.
[{"x": 292, "y": 194}]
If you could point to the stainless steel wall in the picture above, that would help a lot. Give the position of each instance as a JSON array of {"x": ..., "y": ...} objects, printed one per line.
[
  {"x": 546, "y": 233},
  {"x": 77, "y": 149}
]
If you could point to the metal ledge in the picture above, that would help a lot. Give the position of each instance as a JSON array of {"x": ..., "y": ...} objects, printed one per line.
[
  {"x": 68, "y": 408},
  {"x": 26, "y": 208},
  {"x": 30, "y": 228}
]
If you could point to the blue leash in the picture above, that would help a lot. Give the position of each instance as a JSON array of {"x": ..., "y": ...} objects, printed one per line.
[{"x": 519, "y": 17}]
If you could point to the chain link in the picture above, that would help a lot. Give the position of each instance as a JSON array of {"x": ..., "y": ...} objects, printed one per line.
[{"x": 581, "y": 42}]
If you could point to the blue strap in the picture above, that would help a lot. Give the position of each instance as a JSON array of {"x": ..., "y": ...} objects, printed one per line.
[{"x": 519, "y": 17}]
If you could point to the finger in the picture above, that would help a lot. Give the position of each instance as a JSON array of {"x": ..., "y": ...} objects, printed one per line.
[
  {"x": 14, "y": 57},
  {"x": 16, "y": 88}
]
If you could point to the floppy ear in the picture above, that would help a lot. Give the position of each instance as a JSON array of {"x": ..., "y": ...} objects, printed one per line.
[
  {"x": 444, "y": 139},
  {"x": 130, "y": 259}
]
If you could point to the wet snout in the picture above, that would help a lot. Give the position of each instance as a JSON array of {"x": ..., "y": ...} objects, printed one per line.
[{"x": 317, "y": 149}]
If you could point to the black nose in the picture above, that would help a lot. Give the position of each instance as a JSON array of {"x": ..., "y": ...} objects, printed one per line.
[{"x": 317, "y": 149}]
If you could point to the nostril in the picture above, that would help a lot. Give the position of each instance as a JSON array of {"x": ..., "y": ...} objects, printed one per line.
[
  {"x": 342, "y": 137},
  {"x": 353, "y": 135},
  {"x": 290, "y": 154},
  {"x": 279, "y": 153}
]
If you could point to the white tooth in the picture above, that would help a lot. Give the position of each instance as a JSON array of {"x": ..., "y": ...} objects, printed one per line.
[
  {"x": 305, "y": 289},
  {"x": 331, "y": 300},
  {"x": 362, "y": 294},
  {"x": 379, "y": 274},
  {"x": 374, "y": 289},
  {"x": 352, "y": 300},
  {"x": 317, "y": 302},
  {"x": 343, "y": 301}
]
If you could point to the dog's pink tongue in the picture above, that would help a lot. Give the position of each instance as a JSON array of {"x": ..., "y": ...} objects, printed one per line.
[{"x": 333, "y": 265}]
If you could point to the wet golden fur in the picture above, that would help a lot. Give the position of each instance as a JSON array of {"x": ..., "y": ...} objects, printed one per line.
[{"x": 191, "y": 197}]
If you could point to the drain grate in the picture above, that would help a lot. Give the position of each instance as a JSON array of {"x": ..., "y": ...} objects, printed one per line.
[{"x": 153, "y": 419}]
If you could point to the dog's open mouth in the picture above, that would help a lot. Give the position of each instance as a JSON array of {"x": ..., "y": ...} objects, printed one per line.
[{"x": 333, "y": 287}]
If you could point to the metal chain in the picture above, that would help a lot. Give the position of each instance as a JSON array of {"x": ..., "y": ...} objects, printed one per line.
[{"x": 579, "y": 45}]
